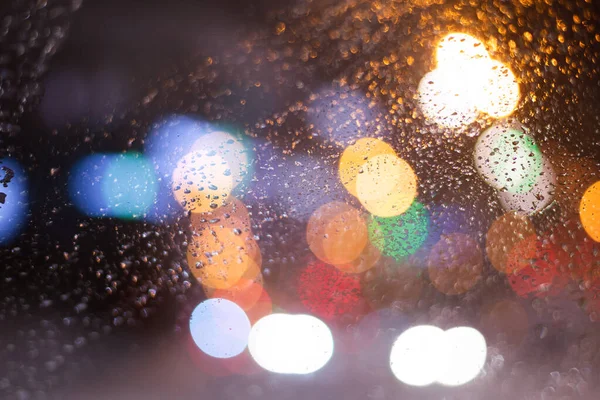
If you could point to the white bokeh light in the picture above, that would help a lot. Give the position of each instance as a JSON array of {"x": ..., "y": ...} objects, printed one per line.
[
  {"x": 459, "y": 48},
  {"x": 220, "y": 328},
  {"x": 423, "y": 355},
  {"x": 466, "y": 81},
  {"x": 414, "y": 358},
  {"x": 290, "y": 344},
  {"x": 464, "y": 352},
  {"x": 448, "y": 97},
  {"x": 537, "y": 199},
  {"x": 501, "y": 93}
]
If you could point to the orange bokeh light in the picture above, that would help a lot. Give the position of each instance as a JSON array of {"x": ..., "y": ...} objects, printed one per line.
[
  {"x": 220, "y": 255},
  {"x": 337, "y": 233},
  {"x": 506, "y": 232},
  {"x": 589, "y": 211},
  {"x": 365, "y": 261}
]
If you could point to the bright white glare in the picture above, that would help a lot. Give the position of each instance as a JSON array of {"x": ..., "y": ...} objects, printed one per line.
[
  {"x": 465, "y": 352},
  {"x": 290, "y": 344},
  {"x": 465, "y": 82},
  {"x": 501, "y": 94},
  {"x": 460, "y": 48},
  {"x": 220, "y": 328},
  {"x": 448, "y": 96},
  {"x": 415, "y": 356},
  {"x": 425, "y": 354}
]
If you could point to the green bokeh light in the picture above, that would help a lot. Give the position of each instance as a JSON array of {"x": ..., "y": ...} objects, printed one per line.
[
  {"x": 403, "y": 235},
  {"x": 129, "y": 186},
  {"x": 516, "y": 161}
]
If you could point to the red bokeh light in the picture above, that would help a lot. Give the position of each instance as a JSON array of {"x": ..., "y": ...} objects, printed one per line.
[{"x": 329, "y": 293}]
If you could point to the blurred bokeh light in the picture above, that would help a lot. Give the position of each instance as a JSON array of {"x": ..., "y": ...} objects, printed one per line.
[
  {"x": 508, "y": 159},
  {"x": 505, "y": 233},
  {"x": 426, "y": 354},
  {"x": 354, "y": 157},
  {"x": 464, "y": 355},
  {"x": 415, "y": 357},
  {"x": 337, "y": 233},
  {"x": 387, "y": 185},
  {"x": 330, "y": 293},
  {"x": 13, "y": 200},
  {"x": 113, "y": 185},
  {"x": 220, "y": 328},
  {"x": 446, "y": 97},
  {"x": 291, "y": 344},
  {"x": 465, "y": 82},
  {"x": 589, "y": 211},
  {"x": 403, "y": 235}
]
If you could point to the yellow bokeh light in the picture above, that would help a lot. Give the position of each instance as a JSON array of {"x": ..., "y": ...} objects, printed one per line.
[
  {"x": 355, "y": 156},
  {"x": 589, "y": 211},
  {"x": 337, "y": 233},
  {"x": 387, "y": 185},
  {"x": 200, "y": 183},
  {"x": 229, "y": 148},
  {"x": 460, "y": 48}
]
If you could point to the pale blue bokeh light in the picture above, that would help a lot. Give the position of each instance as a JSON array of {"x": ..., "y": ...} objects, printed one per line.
[
  {"x": 129, "y": 186},
  {"x": 165, "y": 145},
  {"x": 113, "y": 185},
  {"x": 220, "y": 328}
]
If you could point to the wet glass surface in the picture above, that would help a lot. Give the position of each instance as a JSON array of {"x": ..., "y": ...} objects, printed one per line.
[{"x": 299, "y": 199}]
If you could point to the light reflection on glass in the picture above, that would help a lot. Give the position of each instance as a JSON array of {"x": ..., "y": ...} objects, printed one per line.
[
  {"x": 354, "y": 157},
  {"x": 415, "y": 355},
  {"x": 537, "y": 199},
  {"x": 508, "y": 158},
  {"x": 465, "y": 352}
]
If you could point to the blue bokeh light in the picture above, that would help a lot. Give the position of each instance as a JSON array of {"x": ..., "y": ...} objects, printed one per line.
[
  {"x": 13, "y": 212},
  {"x": 129, "y": 186},
  {"x": 113, "y": 185},
  {"x": 85, "y": 185},
  {"x": 165, "y": 145}
]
